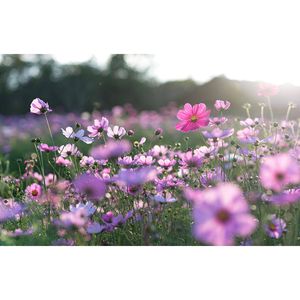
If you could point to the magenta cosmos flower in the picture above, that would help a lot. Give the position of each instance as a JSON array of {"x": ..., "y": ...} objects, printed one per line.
[
  {"x": 278, "y": 171},
  {"x": 192, "y": 117},
  {"x": 39, "y": 107},
  {"x": 89, "y": 185},
  {"x": 220, "y": 214}
]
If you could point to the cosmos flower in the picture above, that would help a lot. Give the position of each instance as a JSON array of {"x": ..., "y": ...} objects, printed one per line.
[
  {"x": 163, "y": 198},
  {"x": 61, "y": 161},
  {"x": 158, "y": 151},
  {"x": 47, "y": 148},
  {"x": 68, "y": 150},
  {"x": 278, "y": 171},
  {"x": 190, "y": 160},
  {"x": 88, "y": 207},
  {"x": 144, "y": 160},
  {"x": 19, "y": 232},
  {"x": 77, "y": 218},
  {"x": 34, "y": 191},
  {"x": 192, "y": 117},
  {"x": 50, "y": 179},
  {"x": 217, "y": 121},
  {"x": 39, "y": 107},
  {"x": 212, "y": 177},
  {"x": 69, "y": 133},
  {"x": 91, "y": 186},
  {"x": 132, "y": 177},
  {"x": 222, "y": 105},
  {"x": 111, "y": 149},
  {"x": 250, "y": 122},
  {"x": 116, "y": 133},
  {"x": 218, "y": 133},
  {"x": 98, "y": 128},
  {"x": 205, "y": 151},
  {"x": 87, "y": 161},
  {"x": 275, "y": 227},
  {"x": 125, "y": 161},
  {"x": 286, "y": 197},
  {"x": 247, "y": 135},
  {"x": 220, "y": 214},
  {"x": 9, "y": 209}
]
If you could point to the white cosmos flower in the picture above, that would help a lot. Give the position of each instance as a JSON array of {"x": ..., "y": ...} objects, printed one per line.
[
  {"x": 79, "y": 135},
  {"x": 116, "y": 133}
]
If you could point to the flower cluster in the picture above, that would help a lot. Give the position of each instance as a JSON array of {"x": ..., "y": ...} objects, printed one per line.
[{"x": 229, "y": 182}]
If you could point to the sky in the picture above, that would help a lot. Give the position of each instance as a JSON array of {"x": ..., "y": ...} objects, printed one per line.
[{"x": 201, "y": 66}]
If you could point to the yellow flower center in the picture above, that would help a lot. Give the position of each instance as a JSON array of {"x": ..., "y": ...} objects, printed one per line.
[{"x": 194, "y": 118}]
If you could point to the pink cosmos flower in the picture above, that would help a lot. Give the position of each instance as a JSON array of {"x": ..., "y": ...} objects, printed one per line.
[
  {"x": 144, "y": 160},
  {"x": 192, "y": 117},
  {"x": 47, "y": 148},
  {"x": 98, "y": 127},
  {"x": 34, "y": 191},
  {"x": 267, "y": 90},
  {"x": 87, "y": 161},
  {"x": 278, "y": 171},
  {"x": 61, "y": 161},
  {"x": 39, "y": 107},
  {"x": 221, "y": 104},
  {"x": 247, "y": 135},
  {"x": 221, "y": 214},
  {"x": 217, "y": 121}
]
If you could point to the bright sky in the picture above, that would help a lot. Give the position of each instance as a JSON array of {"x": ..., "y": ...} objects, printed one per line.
[
  {"x": 201, "y": 67},
  {"x": 246, "y": 40}
]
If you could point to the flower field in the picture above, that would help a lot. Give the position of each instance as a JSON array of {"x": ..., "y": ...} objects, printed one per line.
[{"x": 181, "y": 176}]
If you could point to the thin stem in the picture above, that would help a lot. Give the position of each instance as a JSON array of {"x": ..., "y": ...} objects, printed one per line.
[{"x": 270, "y": 108}]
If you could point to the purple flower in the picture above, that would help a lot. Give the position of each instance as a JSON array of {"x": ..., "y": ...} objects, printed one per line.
[
  {"x": 9, "y": 209},
  {"x": 91, "y": 186},
  {"x": 275, "y": 227},
  {"x": 39, "y": 107},
  {"x": 218, "y": 133},
  {"x": 63, "y": 242},
  {"x": 220, "y": 214},
  {"x": 133, "y": 177},
  {"x": 163, "y": 198},
  {"x": 19, "y": 232},
  {"x": 190, "y": 160},
  {"x": 111, "y": 149},
  {"x": 247, "y": 135},
  {"x": 211, "y": 178},
  {"x": 286, "y": 197}
]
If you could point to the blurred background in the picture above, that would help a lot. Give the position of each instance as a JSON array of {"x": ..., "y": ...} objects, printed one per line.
[{"x": 148, "y": 82}]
